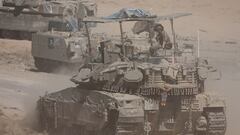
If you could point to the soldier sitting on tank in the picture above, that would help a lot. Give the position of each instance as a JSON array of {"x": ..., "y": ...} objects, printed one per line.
[{"x": 161, "y": 37}]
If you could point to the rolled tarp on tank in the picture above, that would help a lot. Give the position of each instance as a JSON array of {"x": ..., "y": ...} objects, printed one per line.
[{"x": 129, "y": 13}]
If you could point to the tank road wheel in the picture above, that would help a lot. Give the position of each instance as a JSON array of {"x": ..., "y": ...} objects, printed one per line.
[
  {"x": 43, "y": 64},
  {"x": 216, "y": 120}
]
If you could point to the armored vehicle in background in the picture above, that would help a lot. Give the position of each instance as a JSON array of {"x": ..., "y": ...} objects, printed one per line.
[
  {"x": 168, "y": 93},
  {"x": 21, "y": 18},
  {"x": 54, "y": 49},
  {"x": 63, "y": 43},
  {"x": 62, "y": 48}
]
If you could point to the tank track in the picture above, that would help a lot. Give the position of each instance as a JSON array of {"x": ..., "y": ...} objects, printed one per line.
[{"x": 216, "y": 123}]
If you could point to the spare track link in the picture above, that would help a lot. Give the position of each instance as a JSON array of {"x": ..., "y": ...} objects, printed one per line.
[{"x": 216, "y": 123}]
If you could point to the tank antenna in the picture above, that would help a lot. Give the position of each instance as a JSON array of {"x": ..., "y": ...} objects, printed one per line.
[
  {"x": 122, "y": 42},
  {"x": 198, "y": 43},
  {"x": 174, "y": 41},
  {"x": 89, "y": 40}
]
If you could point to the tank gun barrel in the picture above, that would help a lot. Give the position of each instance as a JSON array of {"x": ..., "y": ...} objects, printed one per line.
[
  {"x": 7, "y": 10},
  {"x": 22, "y": 3},
  {"x": 70, "y": 7}
]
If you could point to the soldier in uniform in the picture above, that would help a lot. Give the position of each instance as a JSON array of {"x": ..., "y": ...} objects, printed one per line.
[{"x": 161, "y": 37}]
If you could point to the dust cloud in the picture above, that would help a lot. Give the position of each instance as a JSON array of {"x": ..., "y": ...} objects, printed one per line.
[
  {"x": 21, "y": 88},
  {"x": 19, "y": 93}
]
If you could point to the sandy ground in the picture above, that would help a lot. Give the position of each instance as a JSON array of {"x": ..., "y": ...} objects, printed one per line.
[
  {"x": 19, "y": 92},
  {"x": 20, "y": 87}
]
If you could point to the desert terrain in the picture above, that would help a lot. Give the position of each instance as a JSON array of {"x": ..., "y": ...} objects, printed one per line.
[{"x": 21, "y": 85}]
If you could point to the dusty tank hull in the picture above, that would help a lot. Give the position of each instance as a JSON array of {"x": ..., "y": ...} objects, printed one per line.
[
  {"x": 20, "y": 22},
  {"x": 77, "y": 111}
]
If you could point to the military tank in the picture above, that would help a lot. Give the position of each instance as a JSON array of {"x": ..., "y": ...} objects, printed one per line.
[
  {"x": 21, "y": 18},
  {"x": 169, "y": 91}
]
